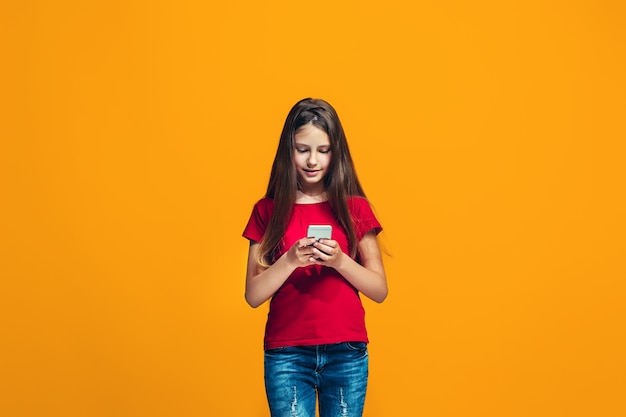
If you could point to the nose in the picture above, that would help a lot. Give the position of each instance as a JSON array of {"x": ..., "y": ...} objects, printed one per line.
[{"x": 312, "y": 161}]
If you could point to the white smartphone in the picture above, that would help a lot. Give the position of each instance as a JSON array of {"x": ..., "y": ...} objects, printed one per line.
[{"x": 319, "y": 231}]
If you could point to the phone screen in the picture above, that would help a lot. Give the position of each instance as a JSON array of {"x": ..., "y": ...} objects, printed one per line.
[{"x": 319, "y": 231}]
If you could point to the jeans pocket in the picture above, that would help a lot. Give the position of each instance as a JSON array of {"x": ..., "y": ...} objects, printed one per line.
[
  {"x": 356, "y": 346},
  {"x": 275, "y": 350}
]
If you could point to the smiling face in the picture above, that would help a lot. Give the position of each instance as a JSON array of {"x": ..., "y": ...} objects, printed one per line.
[{"x": 312, "y": 158}]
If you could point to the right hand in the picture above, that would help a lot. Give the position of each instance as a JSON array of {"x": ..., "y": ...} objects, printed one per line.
[{"x": 301, "y": 253}]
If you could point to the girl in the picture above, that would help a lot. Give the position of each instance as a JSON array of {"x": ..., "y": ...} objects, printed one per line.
[{"x": 315, "y": 337}]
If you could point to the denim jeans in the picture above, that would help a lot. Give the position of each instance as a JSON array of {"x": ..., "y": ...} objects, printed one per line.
[{"x": 336, "y": 374}]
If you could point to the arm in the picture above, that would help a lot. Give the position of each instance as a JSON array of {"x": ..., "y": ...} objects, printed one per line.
[
  {"x": 369, "y": 277},
  {"x": 261, "y": 284}
]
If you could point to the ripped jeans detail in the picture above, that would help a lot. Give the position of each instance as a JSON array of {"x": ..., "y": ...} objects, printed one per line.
[{"x": 334, "y": 377}]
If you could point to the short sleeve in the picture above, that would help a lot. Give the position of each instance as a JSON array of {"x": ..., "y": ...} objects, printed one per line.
[
  {"x": 364, "y": 219},
  {"x": 260, "y": 217}
]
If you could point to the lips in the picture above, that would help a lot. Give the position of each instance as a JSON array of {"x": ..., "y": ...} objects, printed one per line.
[{"x": 311, "y": 173}]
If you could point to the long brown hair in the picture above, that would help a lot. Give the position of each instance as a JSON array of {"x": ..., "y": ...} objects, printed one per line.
[{"x": 340, "y": 182}]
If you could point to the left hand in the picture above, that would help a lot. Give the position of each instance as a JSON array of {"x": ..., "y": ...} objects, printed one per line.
[{"x": 326, "y": 252}]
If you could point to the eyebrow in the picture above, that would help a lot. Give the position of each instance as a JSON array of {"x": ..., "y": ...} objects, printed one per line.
[{"x": 308, "y": 146}]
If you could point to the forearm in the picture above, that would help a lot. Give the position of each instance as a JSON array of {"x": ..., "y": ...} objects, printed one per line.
[
  {"x": 261, "y": 286},
  {"x": 370, "y": 281}
]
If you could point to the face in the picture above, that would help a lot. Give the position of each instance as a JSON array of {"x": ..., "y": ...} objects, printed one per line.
[{"x": 312, "y": 157}]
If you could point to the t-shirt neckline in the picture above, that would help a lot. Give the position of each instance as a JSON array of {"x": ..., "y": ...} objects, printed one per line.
[{"x": 311, "y": 204}]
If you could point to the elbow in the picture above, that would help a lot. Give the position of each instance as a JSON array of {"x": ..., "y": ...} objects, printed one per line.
[
  {"x": 252, "y": 301},
  {"x": 381, "y": 295}
]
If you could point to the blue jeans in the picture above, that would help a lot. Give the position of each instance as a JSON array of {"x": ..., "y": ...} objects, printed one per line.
[{"x": 336, "y": 374}]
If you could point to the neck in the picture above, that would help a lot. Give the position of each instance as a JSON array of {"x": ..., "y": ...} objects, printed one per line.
[{"x": 310, "y": 196}]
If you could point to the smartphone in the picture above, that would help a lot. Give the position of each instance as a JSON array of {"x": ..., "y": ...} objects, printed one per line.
[{"x": 319, "y": 231}]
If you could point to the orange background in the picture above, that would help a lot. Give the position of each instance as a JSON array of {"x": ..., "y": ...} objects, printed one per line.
[{"x": 136, "y": 136}]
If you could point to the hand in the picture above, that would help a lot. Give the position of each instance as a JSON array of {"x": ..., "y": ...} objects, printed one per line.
[
  {"x": 326, "y": 252},
  {"x": 302, "y": 252}
]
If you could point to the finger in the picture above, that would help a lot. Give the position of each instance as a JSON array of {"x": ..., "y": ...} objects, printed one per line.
[
  {"x": 321, "y": 255},
  {"x": 326, "y": 249},
  {"x": 303, "y": 243},
  {"x": 305, "y": 252},
  {"x": 330, "y": 243}
]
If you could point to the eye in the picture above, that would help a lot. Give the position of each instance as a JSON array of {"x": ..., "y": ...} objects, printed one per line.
[
  {"x": 301, "y": 150},
  {"x": 325, "y": 150}
]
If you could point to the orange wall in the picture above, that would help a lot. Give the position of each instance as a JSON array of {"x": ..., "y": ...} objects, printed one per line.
[{"x": 136, "y": 135}]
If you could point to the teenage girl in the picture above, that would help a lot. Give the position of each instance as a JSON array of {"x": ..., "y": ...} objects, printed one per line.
[{"x": 315, "y": 337}]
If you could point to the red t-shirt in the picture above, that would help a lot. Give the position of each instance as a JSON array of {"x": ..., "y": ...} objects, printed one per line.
[{"x": 315, "y": 305}]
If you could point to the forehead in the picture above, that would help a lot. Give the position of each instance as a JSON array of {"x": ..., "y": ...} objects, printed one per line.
[{"x": 311, "y": 135}]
